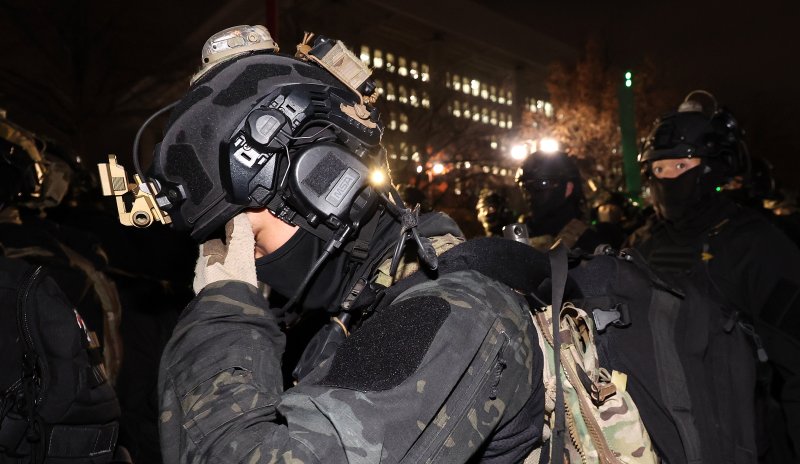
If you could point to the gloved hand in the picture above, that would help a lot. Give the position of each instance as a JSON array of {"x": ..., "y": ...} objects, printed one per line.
[{"x": 230, "y": 260}]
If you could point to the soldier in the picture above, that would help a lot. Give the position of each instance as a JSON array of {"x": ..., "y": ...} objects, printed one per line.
[
  {"x": 274, "y": 163},
  {"x": 33, "y": 180},
  {"x": 735, "y": 255},
  {"x": 553, "y": 186},
  {"x": 493, "y": 212}
]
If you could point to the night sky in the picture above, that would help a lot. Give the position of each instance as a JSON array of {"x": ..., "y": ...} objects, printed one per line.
[{"x": 93, "y": 61}]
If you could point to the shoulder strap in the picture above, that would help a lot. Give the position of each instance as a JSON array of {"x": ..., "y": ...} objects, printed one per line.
[
  {"x": 664, "y": 311},
  {"x": 558, "y": 279}
]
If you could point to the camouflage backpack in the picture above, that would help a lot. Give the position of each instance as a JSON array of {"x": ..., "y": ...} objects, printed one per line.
[
  {"x": 603, "y": 422},
  {"x": 601, "y": 418}
]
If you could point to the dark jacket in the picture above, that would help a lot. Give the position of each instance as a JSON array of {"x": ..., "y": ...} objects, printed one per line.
[{"x": 752, "y": 270}]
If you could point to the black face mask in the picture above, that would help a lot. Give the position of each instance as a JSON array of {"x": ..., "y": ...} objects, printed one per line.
[
  {"x": 677, "y": 198},
  {"x": 285, "y": 268},
  {"x": 545, "y": 197}
]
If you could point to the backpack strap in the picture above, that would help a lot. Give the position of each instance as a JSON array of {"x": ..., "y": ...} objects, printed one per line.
[
  {"x": 663, "y": 318},
  {"x": 558, "y": 280}
]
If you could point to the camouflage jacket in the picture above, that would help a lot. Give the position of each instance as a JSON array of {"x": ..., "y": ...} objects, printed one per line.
[{"x": 449, "y": 371}]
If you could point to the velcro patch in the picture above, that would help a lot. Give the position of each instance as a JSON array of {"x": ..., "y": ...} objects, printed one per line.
[{"x": 389, "y": 347}]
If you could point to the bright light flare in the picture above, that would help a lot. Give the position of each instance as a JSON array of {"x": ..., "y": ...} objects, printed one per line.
[
  {"x": 519, "y": 152},
  {"x": 377, "y": 177},
  {"x": 419, "y": 169},
  {"x": 438, "y": 168},
  {"x": 548, "y": 145}
]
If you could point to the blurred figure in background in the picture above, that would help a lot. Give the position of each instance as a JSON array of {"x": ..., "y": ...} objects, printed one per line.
[
  {"x": 493, "y": 212},
  {"x": 552, "y": 185}
]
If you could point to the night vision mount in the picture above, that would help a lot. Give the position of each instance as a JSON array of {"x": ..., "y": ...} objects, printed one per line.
[{"x": 136, "y": 204}]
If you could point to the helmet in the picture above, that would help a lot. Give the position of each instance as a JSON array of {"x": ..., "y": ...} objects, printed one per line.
[
  {"x": 30, "y": 176},
  {"x": 541, "y": 170},
  {"x": 699, "y": 128},
  {"x": 262, "y": 130}
]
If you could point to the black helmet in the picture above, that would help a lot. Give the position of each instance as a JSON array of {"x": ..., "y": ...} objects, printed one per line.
[
  {"x": 698, "y": 129},
  {"x": 30, "y": 175},
  {"x": 541, "y": 169},
  {"x": 267, "y": 130}
]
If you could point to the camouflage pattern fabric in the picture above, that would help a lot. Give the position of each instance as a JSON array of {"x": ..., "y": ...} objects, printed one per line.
[
  {"x": 222, "y": 401},
  {"x": 601, "y": 429}
]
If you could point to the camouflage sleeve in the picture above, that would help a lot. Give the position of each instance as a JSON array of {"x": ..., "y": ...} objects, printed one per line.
[
  {"x": 220, "y": 381},
  {"x": 446, "y": 373}
]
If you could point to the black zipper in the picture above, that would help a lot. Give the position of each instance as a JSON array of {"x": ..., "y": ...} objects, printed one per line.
[{"x": 30, "y": 358}]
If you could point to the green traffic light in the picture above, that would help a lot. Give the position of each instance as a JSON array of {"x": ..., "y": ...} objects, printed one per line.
[
  {"x": 719, "y": 189},
  {"x": 628, "y": 75},
  {"x": 628, "y": 83}
]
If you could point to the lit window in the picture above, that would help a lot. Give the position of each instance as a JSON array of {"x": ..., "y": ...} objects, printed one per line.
[
  {"x": 426, "y": 100},
  {"x": 502, "y": 119},
  {"x": 415, "y": 156},
  {"x": 404, "y": 128},
  {"x": 390, "y": 96},
  {"x": 401, "y": 66},
  {"x": 510, "y": 123},
  {"x": 379, "y": 86},
  {"x": 474, "y": 84},
  {"x": 390, "y": 150},
  {"x": 390, "y": 62},
  {"x": 501, "y": 98},
  {"x": 476, "y": 113},
  {"x": 377, "y": 59},
  {"x": 457, "y": 109},
  {"x": 402, "y": 94},
  {"x": 493, "y": 119},
  {"x": 539, "y": 104},
  {"x": 485, "y": 116},
  {"x": 484, "y": 92},
  {"x": 412, "y": 98},
  {"x": 364, "y": 54},
  {"x": 447, "y": 82},
  {"x": 414, "y": 71},
  {"x": 486, "y": 169},
  {"x": 508, "y": 98},
  {"x": 465, "y": 85},
  {"x": 392, "y": 121},
  {"x": 493, "y": 93},
  {"x": 548, "y": 110},
  {"x": 467, "y": 113},
  {"x": 425, "y": 73},
  {"x": 456, "y": 82}
]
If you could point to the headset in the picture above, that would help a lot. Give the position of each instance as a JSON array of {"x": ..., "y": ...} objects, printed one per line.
[{"x": 299, "y": 155}]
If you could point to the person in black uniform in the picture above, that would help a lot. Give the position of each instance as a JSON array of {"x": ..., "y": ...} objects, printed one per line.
[
  {"x": 553, "y": 186},
  {"x": 734, "y": 254}
]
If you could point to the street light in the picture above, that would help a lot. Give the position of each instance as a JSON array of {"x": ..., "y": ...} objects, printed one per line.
[
  {"x": 628, "y": 79},
  {"x": 519, "y": 151},
  {"x": 548, "y": 145},
  {"x": 438, "y": 168}
]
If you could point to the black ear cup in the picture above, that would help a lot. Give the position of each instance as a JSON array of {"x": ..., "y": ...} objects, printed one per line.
[{"x": 330, "y": 185}]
